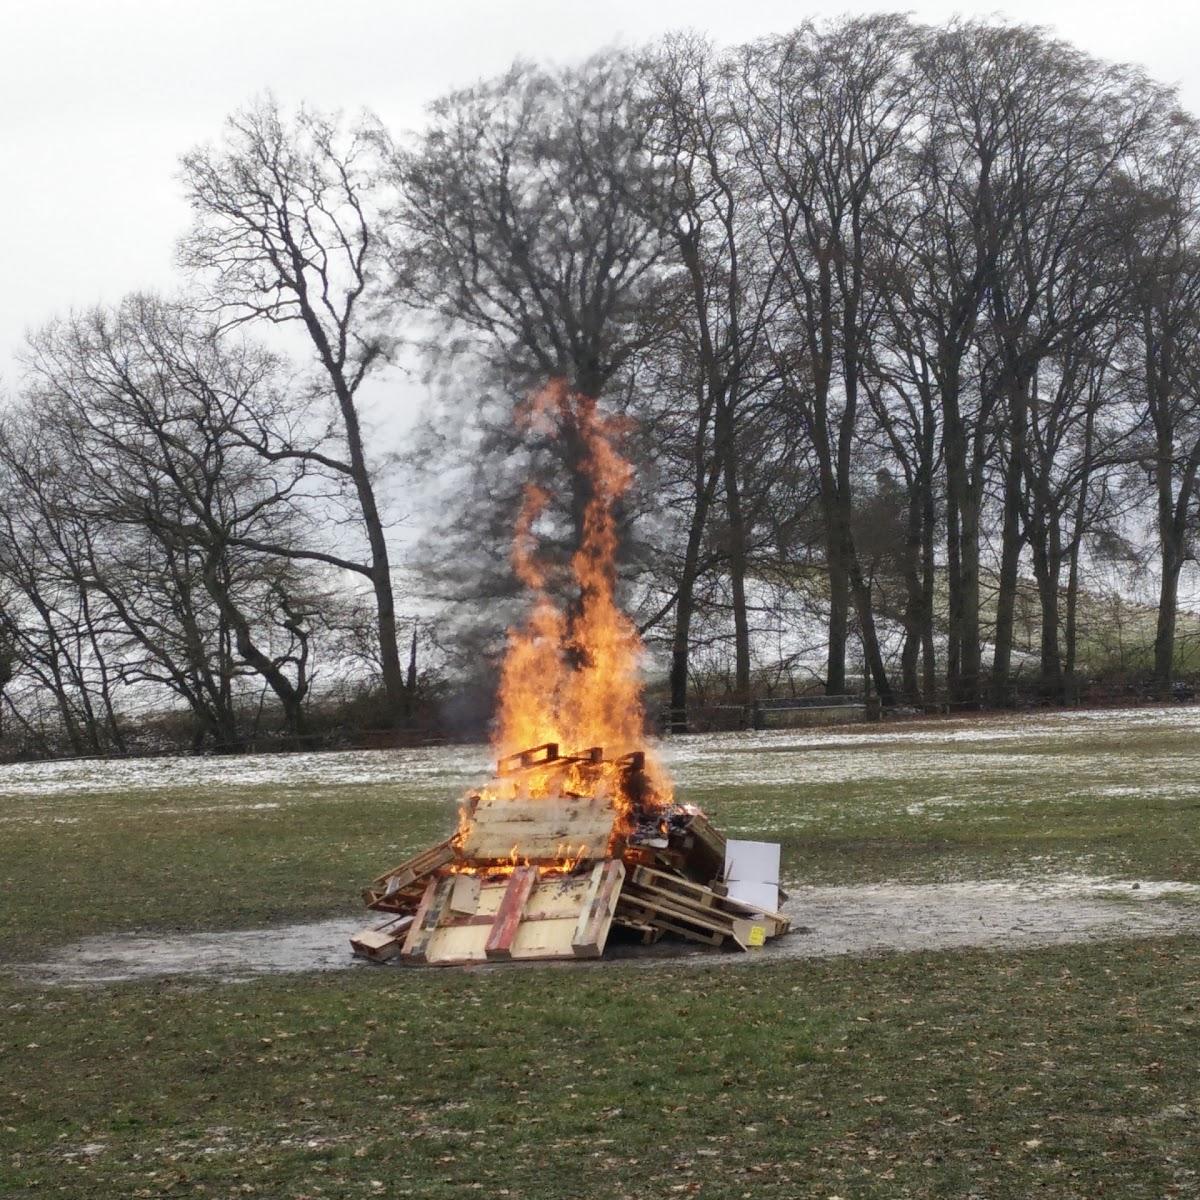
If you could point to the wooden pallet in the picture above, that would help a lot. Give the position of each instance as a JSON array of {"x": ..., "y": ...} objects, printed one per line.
[
  {"x": 528, "y": 915},
  {"x": 669, "y": 902},
  {"x": 538, "y": 831},
  {"x": 400, "y": 889},
  {"x": 709, "y": 898}
]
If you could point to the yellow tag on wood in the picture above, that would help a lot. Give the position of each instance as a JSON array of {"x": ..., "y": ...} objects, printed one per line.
[{"x": 757, "y": 936}]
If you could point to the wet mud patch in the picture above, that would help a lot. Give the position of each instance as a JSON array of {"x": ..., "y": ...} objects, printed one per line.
[
  {"x": 232, "y": 955},
  {"x": 827, "y": 921}
]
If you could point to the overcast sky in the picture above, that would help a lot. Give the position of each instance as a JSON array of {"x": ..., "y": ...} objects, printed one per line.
[{"x": 98, "y": 98}]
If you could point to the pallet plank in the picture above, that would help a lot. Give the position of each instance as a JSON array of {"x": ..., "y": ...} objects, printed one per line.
[
  {"x": 432, "y": 907},
  {"x": 464, "y": 896},
  {"x": 599, "y": 904},
  {"x": 381, "y": 942},
  {"x": 508, "y": 916},
  {"x": 538, "y": 830}
]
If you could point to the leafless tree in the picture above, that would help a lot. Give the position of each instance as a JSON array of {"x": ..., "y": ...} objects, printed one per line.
[
  {"x": 825, "y": 113},
  {"x": 526, "y": 229},
  {"x": 149, "y": 410},
  {"x": 728, "y": 284},
  {"x": 1163, "y": 258},
  {"x": 286, "y": 231}
]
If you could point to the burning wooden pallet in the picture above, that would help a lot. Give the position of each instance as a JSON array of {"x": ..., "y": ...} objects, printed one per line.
[{"x": 551, "y": 856}]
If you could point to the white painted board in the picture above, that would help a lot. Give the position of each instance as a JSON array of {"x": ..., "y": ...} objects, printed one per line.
[
  {"x": 752, "y": 873},
  {"x": 756, "y": 862},
  {"x": 762, "y": 897}
]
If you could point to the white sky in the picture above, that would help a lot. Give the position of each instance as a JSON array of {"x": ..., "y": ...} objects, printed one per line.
[{"x": 98, "y": 98}]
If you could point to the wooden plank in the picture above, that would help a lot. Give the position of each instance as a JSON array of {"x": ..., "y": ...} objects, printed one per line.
[
  {"x": 457, "y": 944},
  {"x": 557, "y": 896},
  {"x": 422, "y": 910},
  {"x": 539, "y": 830},
  {"x": 534, "y": 940},
  {"x": 415, "y": 868},
  {"x": 554, "y": 896},
  {"x": 696, "y": 893},
  {"x": 433, "y": 905},
  {"x": 649, "y": 934},
  {"x": 464, "y": 896},
  {"x": 381, "y": 942},
  {"x": 599, "y": 904},
  {"x": 508, "y": 916},
  {"x": 644, "y": 916},
  {"x": 702, "y": 848},
  {"x": 679, "y": 907},
  {"x": 776, "y": 923},
  {"x": 544, "y": 939},
  {"x": 749, "y": 934},
  {"x": 662, "y": 881},
  {"x": 545, "y": 930},
  {"x": 535, "y": 756}
]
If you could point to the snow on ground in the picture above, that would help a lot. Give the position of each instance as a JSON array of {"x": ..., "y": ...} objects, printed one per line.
[
  {"x": 437, "y": 764},
  {"x": 716, "y": 759},
  {"x": 754, "y": 775}
]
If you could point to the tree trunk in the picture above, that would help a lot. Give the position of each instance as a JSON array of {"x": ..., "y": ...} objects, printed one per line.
[
  {"x": 914, "y": 606},
  {"x": 910, "y": 655},
  {"x": 1070, "y": 629},
  {"x": 928, "y": 584},
  {"x": 290, "y": 698},
  {"x": 962, "y": 560},
  {"x": 969, "y": 653},
  {"x": 871, "y": 652},
  {"x": 737, "y": 549},
  {"x": 1046, "y": 569},
  {"x": 410, "y": 682},
  {"x": 399, "y": 702},
  {"x": 685, "y": 602},
  {"x": 1168, "y": 603},
  {"x": 839, "y": 619},
  {"x": 1010, "y": 553}
]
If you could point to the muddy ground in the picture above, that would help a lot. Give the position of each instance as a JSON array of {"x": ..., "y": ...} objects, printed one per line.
[{"x": 827, "y": 921}]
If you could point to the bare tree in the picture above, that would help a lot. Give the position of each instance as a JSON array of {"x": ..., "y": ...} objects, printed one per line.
[
  {"x": 1163, "y": 257},
  {"x": 64, "y": 642},
  {"x": 728, "y": 281},
  {"x": 285, "y": 231},
  {"x": 526, "y": 226},
  {"x": 150, "y": 410},
  {"x": 826, "y": 112},
  {"x": 1069, "y": 126}
]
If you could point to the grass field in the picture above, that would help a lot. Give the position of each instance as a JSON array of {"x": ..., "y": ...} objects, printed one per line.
[{"x": 1068, "y": 1071}]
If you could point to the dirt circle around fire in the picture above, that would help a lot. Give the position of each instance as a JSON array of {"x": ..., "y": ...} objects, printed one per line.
[{"x": 826, "y": 921}]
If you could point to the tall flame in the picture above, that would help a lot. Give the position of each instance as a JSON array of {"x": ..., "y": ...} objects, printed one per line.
[{"x": 572, "y": 676}]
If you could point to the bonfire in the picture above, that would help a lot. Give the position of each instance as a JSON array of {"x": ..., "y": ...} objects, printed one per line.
[{"x": 578, "y": 831}]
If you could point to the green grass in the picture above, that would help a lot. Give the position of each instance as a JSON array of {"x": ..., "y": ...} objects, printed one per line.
[
  {"x": 1120, "y": 803},
  {"x": 1068, "y": 1072},
  {"x": 149, "y": 861},
  {"x": 1061, "y": 1072},
  {"x": 848, "y": 809}
]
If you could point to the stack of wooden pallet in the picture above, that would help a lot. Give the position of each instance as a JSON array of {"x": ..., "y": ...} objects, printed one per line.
[{"x": 550, "y": 877}]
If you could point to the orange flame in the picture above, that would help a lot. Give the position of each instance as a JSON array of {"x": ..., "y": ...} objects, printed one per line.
[{"x": 573, "y": 677}]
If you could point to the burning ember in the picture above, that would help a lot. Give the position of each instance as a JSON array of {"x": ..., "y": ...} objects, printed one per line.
[{"x": 577, "y": 831}]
